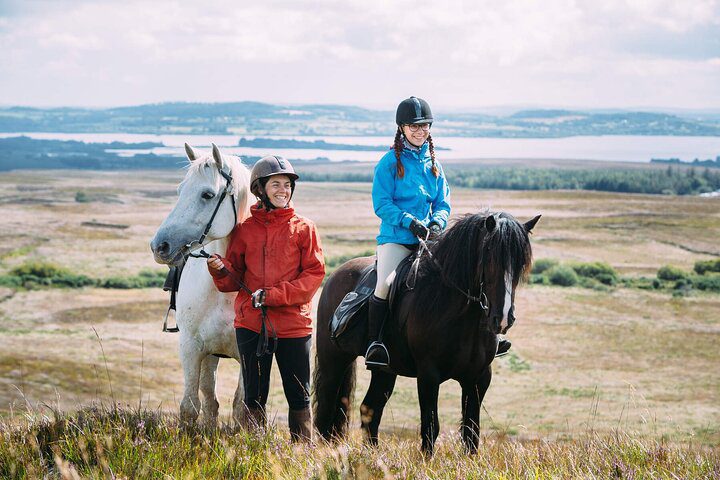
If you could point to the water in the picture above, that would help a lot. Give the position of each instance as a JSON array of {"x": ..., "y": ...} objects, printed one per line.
[{"x": 610, "y": 148}]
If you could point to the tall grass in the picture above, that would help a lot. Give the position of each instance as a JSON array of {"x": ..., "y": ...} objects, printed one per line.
[{"x": 100, "y": 442}]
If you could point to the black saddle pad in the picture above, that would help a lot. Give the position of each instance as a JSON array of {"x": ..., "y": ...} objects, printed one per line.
[{"x": 353, "y": 308}]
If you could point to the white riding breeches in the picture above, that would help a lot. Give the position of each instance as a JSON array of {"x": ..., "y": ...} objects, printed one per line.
[{"x": 389, "y": 256}]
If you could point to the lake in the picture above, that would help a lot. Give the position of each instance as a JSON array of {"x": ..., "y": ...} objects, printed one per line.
[{"x": 610, "y": 148}]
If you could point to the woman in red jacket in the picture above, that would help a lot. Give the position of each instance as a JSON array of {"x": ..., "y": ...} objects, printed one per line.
[{"x": 277, "y": 255}]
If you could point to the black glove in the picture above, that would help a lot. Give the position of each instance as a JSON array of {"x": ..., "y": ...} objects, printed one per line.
[
  {"x": 435, "y": 228},
  {"x": 258, "y": 298},
  {"x": 418, "y": 229}
]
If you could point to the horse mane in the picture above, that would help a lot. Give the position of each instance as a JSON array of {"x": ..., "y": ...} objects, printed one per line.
[
  {"x": 458, "y": 250},
  {"x": 206, "y": 167}
]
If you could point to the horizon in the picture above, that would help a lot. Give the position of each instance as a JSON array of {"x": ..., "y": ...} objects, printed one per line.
[{"x": 496, "y": 110}]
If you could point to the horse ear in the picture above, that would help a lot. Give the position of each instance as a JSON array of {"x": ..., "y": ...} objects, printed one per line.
[
  {"x": 490, "y": 223},
  {"x": 529, "y": 225},
  {"x": 217, "y": 156},
  {"x": 192, "y": 156}
]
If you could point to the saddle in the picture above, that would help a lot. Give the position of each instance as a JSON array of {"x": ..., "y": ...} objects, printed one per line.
[{"x": 352, "y": 311}]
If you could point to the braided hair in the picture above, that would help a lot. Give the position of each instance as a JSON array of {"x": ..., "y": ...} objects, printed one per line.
[
  {"x": 432, "y": 156},
  {"x": 398, "y": 146}
]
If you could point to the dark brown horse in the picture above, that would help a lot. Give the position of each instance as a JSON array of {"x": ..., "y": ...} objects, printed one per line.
[{"x": 444, "y": 328}]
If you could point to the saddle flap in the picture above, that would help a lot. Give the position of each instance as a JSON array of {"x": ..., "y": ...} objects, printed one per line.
[
  {"x": 356, "y": 300},
  {"x": 353, "y": 302}
]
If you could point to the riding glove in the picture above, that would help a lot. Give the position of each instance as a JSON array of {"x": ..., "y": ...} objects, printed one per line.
[
  {"x": 258, "y": 298},
  {"x": 435, "y": 228},
  {"x": 418, "y": 229}
]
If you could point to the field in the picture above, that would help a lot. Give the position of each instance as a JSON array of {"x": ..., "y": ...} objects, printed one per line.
[{"x": 640, "y": 362}]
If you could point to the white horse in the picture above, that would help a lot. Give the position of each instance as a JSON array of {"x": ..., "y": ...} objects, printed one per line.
[{"x": 204, "y": 315}]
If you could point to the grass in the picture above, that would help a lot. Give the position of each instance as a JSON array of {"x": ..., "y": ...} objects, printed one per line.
[
  {"x": 100, "y": 442},
  {"x": 628, "y": 346}
]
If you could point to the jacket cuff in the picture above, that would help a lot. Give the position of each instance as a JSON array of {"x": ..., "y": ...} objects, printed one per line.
[
  {"x": 218, "y": 273},
  {"x": 406, "y": 220},
  {"x": 439, "y": 220}
]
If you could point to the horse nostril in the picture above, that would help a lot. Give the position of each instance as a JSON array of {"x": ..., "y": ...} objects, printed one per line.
[{"x": 163, "y": 248}]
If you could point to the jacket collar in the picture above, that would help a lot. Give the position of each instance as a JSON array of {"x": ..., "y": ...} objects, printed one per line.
[
  {"x": 418, "y": 152},
  {"x": 276, "y": 215}
]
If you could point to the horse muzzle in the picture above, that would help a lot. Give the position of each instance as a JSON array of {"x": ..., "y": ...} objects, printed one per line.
[{"x": 165, "y": 253}]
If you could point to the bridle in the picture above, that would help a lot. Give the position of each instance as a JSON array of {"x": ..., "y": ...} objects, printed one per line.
[
  {"x": 188, "y": 248},
  {"x": 264, "y": 341},
  {"x": 228, "y": 188},
  {"x": 480, "y": 298}
]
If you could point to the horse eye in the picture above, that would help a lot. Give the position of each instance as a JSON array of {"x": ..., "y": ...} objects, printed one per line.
[{"x": 208, "y": 195}]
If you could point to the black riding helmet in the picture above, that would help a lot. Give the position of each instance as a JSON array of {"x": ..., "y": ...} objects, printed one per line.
[
  {"x": 412, "y": 111},
  {"x": 267, "y": 167}
]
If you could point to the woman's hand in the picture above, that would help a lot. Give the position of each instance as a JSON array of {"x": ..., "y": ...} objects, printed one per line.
[
  {"x": 419, "y": 230},
  {"x": 215, "y": 263}
]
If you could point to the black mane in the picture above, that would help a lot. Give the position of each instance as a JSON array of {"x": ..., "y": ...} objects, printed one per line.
[{"x": 458, "y": 250}]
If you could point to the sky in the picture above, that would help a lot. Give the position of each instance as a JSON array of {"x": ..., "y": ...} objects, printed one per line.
[{"x": 459, "y": 55}]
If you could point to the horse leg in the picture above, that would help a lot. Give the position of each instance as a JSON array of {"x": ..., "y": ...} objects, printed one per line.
[
  {"x": 190, "y": 357},
  {"x": 428, "y": 387},
  {"x": 334, "y": 382},
  {"x": 208, "y": 377},
  {"x": 473, "y": 394},
  {"x": 238, "y": 405},
  {"x": 371, "y": 409}
]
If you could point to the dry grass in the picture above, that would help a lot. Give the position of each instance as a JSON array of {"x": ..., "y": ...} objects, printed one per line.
[{"x": 583, "y": 360}]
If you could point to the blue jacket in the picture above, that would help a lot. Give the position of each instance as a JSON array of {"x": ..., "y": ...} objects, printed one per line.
[{"x": 419, "y": 194}]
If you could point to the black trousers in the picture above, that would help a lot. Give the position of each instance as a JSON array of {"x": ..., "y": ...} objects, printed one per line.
[{"x": 293, "y": 359}]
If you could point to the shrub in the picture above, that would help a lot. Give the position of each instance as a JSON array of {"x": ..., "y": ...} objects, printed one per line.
[
  {"x": 709, "y": 283},
  {"x": 38, "y": 269},
  {"x": 543, "y": 264},
  {"x": 562, "y": 275},
  {"x": 120, "y": 283},
  {"x": 537, "y": 279},
  {"x": 81, "y": 197},
  {"x": 10, "y": 281},
  {"x": 600, "y": 271},
  {"x": 668, "y": 272},
  {"x": 702, "y": 267}
]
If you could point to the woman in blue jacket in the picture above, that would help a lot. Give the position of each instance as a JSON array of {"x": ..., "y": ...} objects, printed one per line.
[{"x": 411, "y": 197}]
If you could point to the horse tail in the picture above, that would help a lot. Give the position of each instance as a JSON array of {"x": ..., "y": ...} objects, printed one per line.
[
  {"x": 334, "y": 374},
  {"x": 334, "y": 387}
]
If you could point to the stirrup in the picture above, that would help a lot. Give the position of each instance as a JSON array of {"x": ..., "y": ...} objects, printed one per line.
[
  {"x": 167, "y": 329},
  {"x": 501, "y": 352},
  {"x": 373, "y": 364}
]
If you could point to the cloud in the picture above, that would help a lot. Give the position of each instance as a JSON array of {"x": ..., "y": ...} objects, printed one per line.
[{"x": 514, "y": 51}]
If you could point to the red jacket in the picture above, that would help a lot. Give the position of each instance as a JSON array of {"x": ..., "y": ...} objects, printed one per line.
[{"x": 279, "y": 252}]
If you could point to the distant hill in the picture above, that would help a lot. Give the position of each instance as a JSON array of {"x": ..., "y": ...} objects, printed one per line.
[{"x": 257, "y": 119}]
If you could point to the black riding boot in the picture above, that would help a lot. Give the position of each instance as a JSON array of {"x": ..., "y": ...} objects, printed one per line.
[
  {"x": 503, "y": 347},
  {"x": 376, "y": 355}
]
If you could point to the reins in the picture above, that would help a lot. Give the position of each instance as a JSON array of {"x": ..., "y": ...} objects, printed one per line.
[
  {"x": 263, "y": 346},
  {"x": 481, "y": 298}
]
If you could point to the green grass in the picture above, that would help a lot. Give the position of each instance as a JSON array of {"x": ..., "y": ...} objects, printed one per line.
[{"x": 103, "y": 442}]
